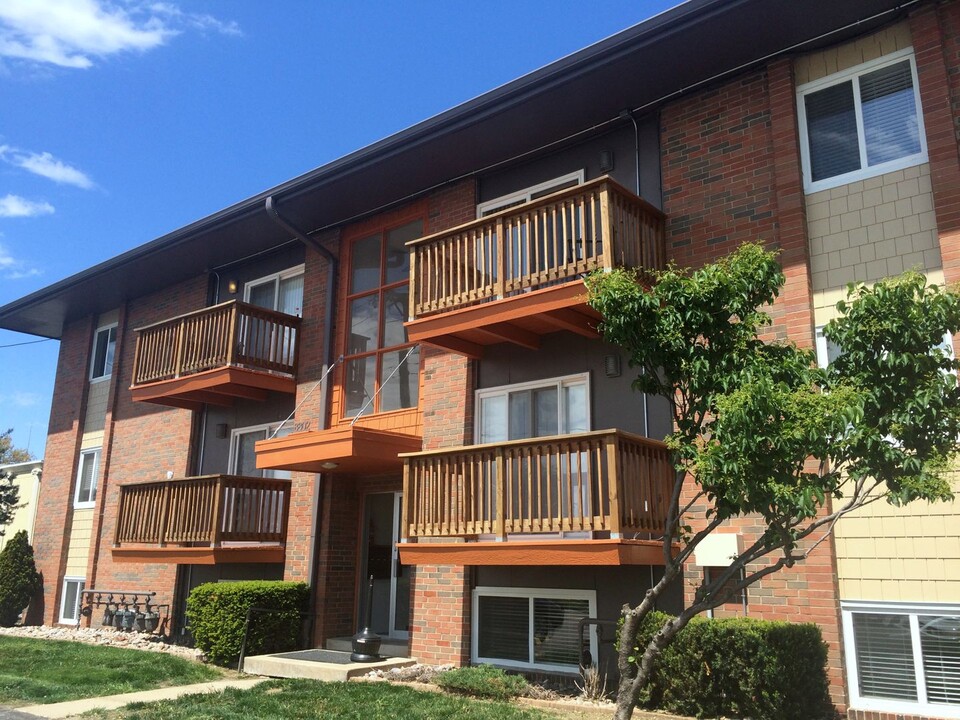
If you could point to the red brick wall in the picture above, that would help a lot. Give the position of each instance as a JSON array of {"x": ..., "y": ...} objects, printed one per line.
[
  {"x": 142, "y": 441},
  {"x": 731, "y": 173},
  {"x": 935, "y": 30},
  {"x": 55, "y": 505},
  {"x": 310, "y": 414},
  {"x": 440, "y": 625},
  {"x": 440, "y": 628}
]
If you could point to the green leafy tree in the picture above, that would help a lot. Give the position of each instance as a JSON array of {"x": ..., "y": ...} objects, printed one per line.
[
  {"x": 9, "y": 493},
  {"x": 760, "y": 430},
  {"x": 19, "y": 578}
]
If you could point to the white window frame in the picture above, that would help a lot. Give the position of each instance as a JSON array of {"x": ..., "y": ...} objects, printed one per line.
[
  {"x": 557, "y": 382},
  {"x": 525, "y": 195},
  {"x": 865, "y": 171},
  {"x": 79, "y": 504},
  {"x": 269, "y": 428},
  {"x": 274, "y": 278},
  {"x": 823, "y": 347},
  {"x": 64, "y": 618},
  {"x": 94, "y": 378},
  {"x": 530, "y": 594},
  {"x": 921, "y": 707}
]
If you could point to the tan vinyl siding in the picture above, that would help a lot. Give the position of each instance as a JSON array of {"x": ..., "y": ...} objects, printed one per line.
[
  {"x": 78, "y": 551},
  {"x": 869, "y": 230},
  {"x": 832, "y": 60},
  {"x": 901, "y": 554}
]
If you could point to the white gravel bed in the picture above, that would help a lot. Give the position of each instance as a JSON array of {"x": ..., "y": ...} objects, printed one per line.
[{"x": 97, "y": 636}]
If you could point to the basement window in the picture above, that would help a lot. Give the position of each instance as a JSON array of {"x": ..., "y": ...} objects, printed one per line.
[
  {"x": 903, "y": 658},
  {"x": 70, "y": 600},
  {"x": 531, "y": 628}
]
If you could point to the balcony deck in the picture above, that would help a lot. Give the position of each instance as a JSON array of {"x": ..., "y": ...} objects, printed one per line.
[
  {"x": 517, "y": 275},
  {"x": 597, "y": 498},
  {"x": 215, "y": 355},
  {"x": 203, "y": 520}
]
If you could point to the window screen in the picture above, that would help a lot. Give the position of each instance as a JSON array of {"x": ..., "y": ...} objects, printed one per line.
[{"x": 885, "y": 656}]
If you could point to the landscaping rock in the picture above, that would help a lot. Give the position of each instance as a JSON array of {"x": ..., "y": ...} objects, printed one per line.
[{"x": 96, "y": 636}]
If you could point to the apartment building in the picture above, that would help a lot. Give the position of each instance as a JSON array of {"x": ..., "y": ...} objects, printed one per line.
[
  {"x": 26, "y": 477},
  {"x": 386, "y": 367}
]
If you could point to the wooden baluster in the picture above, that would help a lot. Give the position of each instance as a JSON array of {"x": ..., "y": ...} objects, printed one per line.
[
  {"x": 606, "y": 228},
  {"x": 233, "y": 337},
  {"x": 414, "y": 287},
  {"x": 216, "y": 516},
  {"x": 499, "y": 525},
  {"x": 406, "y": 509},
  {"x": 612, "y": 443},
  {"x": 501, "y": 247},
  {"x": 164, "y": 514}
]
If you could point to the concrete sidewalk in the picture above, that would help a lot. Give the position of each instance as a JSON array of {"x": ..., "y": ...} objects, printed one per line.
[{"x": 111, "y": 702}]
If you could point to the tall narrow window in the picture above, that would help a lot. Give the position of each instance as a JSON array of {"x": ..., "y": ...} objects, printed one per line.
[
  {"x": 86, "y": 494},
  {"x": 381, "y": 372},
  {"x": 104, "y": 347},
  {"x": 70, "y": 599}
]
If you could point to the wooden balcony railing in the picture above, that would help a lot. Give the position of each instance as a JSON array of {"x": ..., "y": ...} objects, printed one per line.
[
  {"x": 555, "y": 239},
  {"x": 231, "y": 334},
  {"x": 207, "y": 510},
  {"x": 605, "y": 481}
]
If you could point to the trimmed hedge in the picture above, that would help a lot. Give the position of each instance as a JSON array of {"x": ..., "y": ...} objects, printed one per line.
[
  {"x": 740, "y": 667},
  {"x": 218, "y": 611}
]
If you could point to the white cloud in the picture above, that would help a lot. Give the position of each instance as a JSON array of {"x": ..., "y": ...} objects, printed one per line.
[
  {"x": 21, "y": 399},
  {"x": 71, "y": 33},
  {"x": 46, "y": 165},
  {"x": 15, "y": 206},
  {"x": 13, "y": 269}
]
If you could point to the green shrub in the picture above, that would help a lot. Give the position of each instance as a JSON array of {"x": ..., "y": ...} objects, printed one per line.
[
  {"x": 740, "y": 667},
  {"x": 218, "y": 611},
  {"x": 483, "y": 681},
  {"x": 19, "y": 578}
]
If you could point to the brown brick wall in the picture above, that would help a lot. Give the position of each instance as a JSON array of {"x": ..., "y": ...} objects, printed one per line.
[
  {"x": 55, "y": 505},
  {"x": 142, "y": 441},
  {"x": 731, "y": 173},
  {"x": 440, "y": 626},
  {"x": 935, "y": 30}
]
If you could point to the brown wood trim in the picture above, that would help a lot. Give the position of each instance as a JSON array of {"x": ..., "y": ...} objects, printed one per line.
[
  {"x": 212, "y": 380},
  {"x": 546, "y": 300},
  {"x": 354, "y": 449},
  {"x": 200, "y": 555},
  {"x": 534, "y": 552}
]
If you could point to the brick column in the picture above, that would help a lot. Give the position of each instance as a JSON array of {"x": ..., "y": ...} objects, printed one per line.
[
  {"x": 440, "y": 626},
  {"x": 51, "y": 535},
  {"x": 937, "y": 48}
]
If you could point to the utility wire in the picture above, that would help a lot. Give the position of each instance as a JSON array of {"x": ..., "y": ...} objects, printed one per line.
[{"x": 28, "y": 342}]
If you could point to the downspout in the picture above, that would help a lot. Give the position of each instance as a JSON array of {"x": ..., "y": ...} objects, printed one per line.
[
  {"x": 636, "y": 151},
  {"x": 332, "y": 270}
]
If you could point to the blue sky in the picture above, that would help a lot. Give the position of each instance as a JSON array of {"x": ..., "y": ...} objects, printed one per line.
[{"x": 122, "y": 121}]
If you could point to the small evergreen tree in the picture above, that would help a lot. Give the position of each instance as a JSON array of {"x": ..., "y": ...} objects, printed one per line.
[
  {"x": 19, "y": 578},
  {"x": 9, "y": 493}
]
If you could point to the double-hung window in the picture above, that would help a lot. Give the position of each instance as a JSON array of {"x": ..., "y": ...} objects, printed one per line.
[
  {"x": 104, "y": 347},
  {"x": 70, "y": 599},
  {"x": 535, "y": 628},
  {"x": 861, "y": 122},
  {"x": 903, "y": 658},
  {"x": 86, "y": 490}
]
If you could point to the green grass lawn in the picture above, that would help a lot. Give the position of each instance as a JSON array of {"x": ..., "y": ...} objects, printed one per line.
[
  {"x": 47, "y": 671},
  {"x": 302, "y": 699}
]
